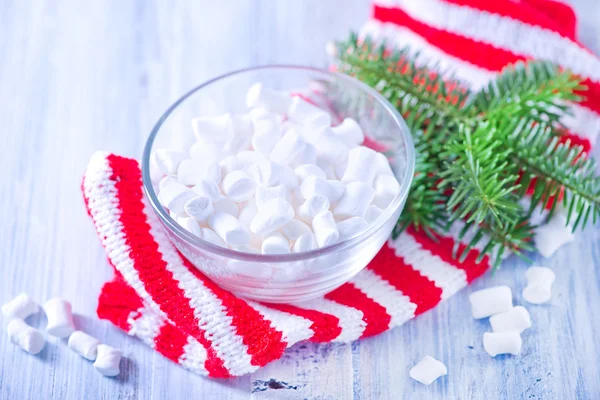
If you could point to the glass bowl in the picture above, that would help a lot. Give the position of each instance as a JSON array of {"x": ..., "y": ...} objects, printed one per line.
[{"x": 298, "y": 276}]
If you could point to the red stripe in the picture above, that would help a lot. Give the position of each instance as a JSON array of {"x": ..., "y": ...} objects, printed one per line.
[
  {"x": 170, "y": 342},
  {"x": 375, "y": 316},
  {"x": 326, "y": 327},
  {"x": 576, "y": 140},
  {"x": 443, "y": 249},
  {"x": 557, "y": 11},
  {"x": 419, "y": 289},
  {"x": 147, "y": 260},
  {"x": 117, "y": 301}
]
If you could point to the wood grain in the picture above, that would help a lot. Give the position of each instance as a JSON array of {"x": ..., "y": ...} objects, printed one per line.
[{"x": 78, "y": 76}]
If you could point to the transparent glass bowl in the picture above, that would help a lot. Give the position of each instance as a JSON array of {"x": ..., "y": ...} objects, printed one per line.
[{"x": 290, "y": 277}]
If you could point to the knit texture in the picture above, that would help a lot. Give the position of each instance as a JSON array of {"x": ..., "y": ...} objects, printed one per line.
[{"x": 159, "y": 297}]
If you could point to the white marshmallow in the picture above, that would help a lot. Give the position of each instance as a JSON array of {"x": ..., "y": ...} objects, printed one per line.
[
  {"x": 351, "y": 227},
  {"x": 306, "y": 242},
  {"x": 541, "y": 275},
  {"x": 211, "y": 237},
  {"x": 192, "y": 172},
  {"x": 275, "y": 243},
  {"x": 238, "y": 186},
  {"x": 168, "y": 160},
  {"x": 551, "y": 236},
  {"x": 325, "y": 229},
  {"x": 516, "y": 319},
  {"x": 354, "y": 202},
  {"x": 296, "y": 198},
  {"x": 84, "y": 345},
  {"x": 208, "y": 189},
  {"x": 495, "y": 343},
  {"x": 373, "y": 212},
  {"x": 227, "y": 206},
  {"x": 208, "y": 152},
  {"x": 303, "y": 112},
  {"x": 537, "y": 294},
  {"x": 238, "y": 143},
  {"x": 266, "y": 173},
  {"x": 165, "y": 181},
  {"x": 21, "y": 307},
  {"x": 266, "y": 194},
  {"x": 242, "y": 125},
  {"x": 27, "y": 338},
  {"x": 272, "y": 100},
  {"x": 362, "y": 165},
  {"x": 229, "y": 229},
  {"x": 289, "y": 178},
  {"x": 314, "y": 205},
  {"x": 108, "y": 360},
  {"x": 175, "y": 196},
  {"x": 331, "y": 148},
  {"x": 247, "y": 213},
  {"x": 308, "y": 155},
  {"x": 350, "y": 132},
  {"x": 386, "y": 188},
  {"x": 240, "y": 162},
  {"x": 383, "y": 165},
  {"x": 272, "y": 216},
  {"x": 306, "y": 170},
  {"x": 428, "y": 370},
  {"x": 259, "y": 114},
  {"x": 287, "y": 148},
  {"x": 314, "y": 185},
  {"x": 490, "y": 301},
  {"x": 294, "y": 229},
  {"x": 266, "y": 135},
  {"x": 60, "y": 317},
  {"x": 190, "y": 225},
  {"x": 246, "y": 248},
  {"x": 539, "y": 285},
  {"x": 199, "y": 208},
  {"x": 217, "y": 129}
]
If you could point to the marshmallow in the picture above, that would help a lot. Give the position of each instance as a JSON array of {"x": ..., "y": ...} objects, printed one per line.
[
  {"x": 213, "y": 129},
  {"x": 428, "y": 370},
  {"x": 266, "y": 135},
  {"x": 305, "y": 242},
  {"x": 84, "y": 345},
  {"x": 287, "y": 148},
  {"x": 306, "y": 170},
  {"x": 551, "y": 236},
  {"x": 495, "y": 343},
  {"x": 227, "y": 206},
  {"x": 192, "y": 172},
  {"x": 211, "y": 152},
  {"x": 386, "y": 189},
  {"x": 272, "y": 216},
  {"x": 362, "y": 165},
  {"x": 373, "y": 212},
  {"x": 190, "y": 225},
  {"x": 246, "y": 248},
  {"x": 490, "y": 301},
  {"x": 308, "y": 155},
  {"x": 325, "y": 229},
  {"x": 539, "y": 285},
  {"x": 275, "y": 243},
  {"x": 314, "y": 205},
  {"x": 354, "y": 202},
  {"x": 199, "y": 208},
  {"x": 516, "y": 319},
  {"x": 266, "y": 194},
  {"x": 331, "y": 148},
  {"x": 27, "y": 338},
  {"x": 211, "y": 237},
  {"x": 247, "y": 212},
  {"x": 238, "y": 143},
  {"x": 168, "y": 160},
  {"x": 60, "y": 317},
  {"x": 266, "y": 173},
  {"x": 165, "y": 181},
  {"x": 242, "y": 125},
  {"x": 351, "y": 227},
  {"x": 296, "y": 198},
  {"x": 21, "y": 307},
  {"x": 239, "y": 162},
  {"x": 383, "y": 165},
  {"x": 294, "y": 229},
  {"x": 272, "y": 100},
  {"x": 288, "y": 178},
  {"x": 259, "y": 114},
  {"x": 314, "y": 185},
  {"x": 175, "y": 196},
  {"x": 229, "y": 229},
  {"x": 303, "y": 112},
  {"x": 350, "y": 132},
  {"x": 108, "y": 360},
  {"x": 238, "y": 186},
  {"x": 208, "y": 189}
]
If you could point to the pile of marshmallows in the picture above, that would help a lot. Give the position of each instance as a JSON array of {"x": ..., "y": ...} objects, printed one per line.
[
  {"x": 277, "y": 180},
  {"x": 60, "y": 324},
  {"x": 507, "y": 322}
]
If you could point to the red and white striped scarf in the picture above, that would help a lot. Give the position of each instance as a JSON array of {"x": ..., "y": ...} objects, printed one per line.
[{"x": 159, "y": 297}]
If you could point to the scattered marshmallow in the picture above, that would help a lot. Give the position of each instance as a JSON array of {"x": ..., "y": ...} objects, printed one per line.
[
  {"x": 229, "y": 229},
  {"x": 273, "y": 216},
  {"x": 539, "y": 285},
  {"x": 108, "y": 360},
  {"x": 20, "y": 307},
  {"x": 428, "y": 370},
  {"x": 495, "y": 343},
  {"x": 275, "y": 243},
  {"x": 84, "y": 345},
  {"x": 490, "y": 301},
  {"x": 27, "y": 338},
  {"x": 60, "y": 317},
  {"x": 516, "y": 319},
  {"x": 325, "y": 229}
]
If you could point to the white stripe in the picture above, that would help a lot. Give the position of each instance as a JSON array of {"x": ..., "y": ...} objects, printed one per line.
[
  {"x": 505, "y": 32},
  {"x": 145, "y": 325},
  {"x": 294, "y": 328},
  {"x": 584, "y": 122},
  {"x": 351, "y": 319},
  {"x": 445, "y": 276},
  {"x": 397, "y": 305},
  {"x": 193, "y": 357}
]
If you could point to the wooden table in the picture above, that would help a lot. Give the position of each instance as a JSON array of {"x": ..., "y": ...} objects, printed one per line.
[{"x": 78, "y": 76}]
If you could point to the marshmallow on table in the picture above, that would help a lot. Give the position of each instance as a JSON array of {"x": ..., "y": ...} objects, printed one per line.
[
  {"x": 229, "y": 229},
  {"x": 208, "y": 189},
  {"x": 325, "y": 229},
  {"x": 305, "y": 242},
  {"x": 272, "y": 100},
  {"x": 190, "y": 224},
  {"x": 227, "y": 206},
  {"x": 108, "y": 360},
  {"x": 27, "y": 338},
  {"x": 294, "y": 229},
  {"x": 551, "y": 236},
  {"x": 350, "y": 132},
  {"x": 275, "y": 243},
  {"x": 355, "y": 201},
  {"x": 213, "y": 129},
  {"x": 303, "y": 112},
  {"x": 373, "y": 212},
  {"x": 386, "y": 188},
  {"x": 272, "y": 216},
  {"x": 351, "y": 227},
  {"x": 539, "y": 285},
  {"x": 175, "y": 196},
  {"x": 312, "y": 206},
  {"x": 428, "y": 370},
  {"x": 287, "y": 148},
  {"x": 516, "y": 319},
  {"x": 168, "y": 160},
  {"x": 60, "y": 317},
  {"x": 199, "y": 208},
  {"x": 238, "y": 186},
  {"x": 495, "y": 343},
  {"x": 306, "y": 170},
  {"x": 266, "y": 194},
  {"x": 21, "y": 307},
  {"x": 84, "y": 345},
  {"x": 490, "y": 301},
  {"x": 193, "y": 171}
]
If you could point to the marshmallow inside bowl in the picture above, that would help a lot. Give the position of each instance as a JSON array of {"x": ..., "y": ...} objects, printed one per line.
[{"x": 272, "y": 180}]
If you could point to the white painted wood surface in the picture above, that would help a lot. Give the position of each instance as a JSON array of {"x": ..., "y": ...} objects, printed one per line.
[{"x": 78, "y": 76}]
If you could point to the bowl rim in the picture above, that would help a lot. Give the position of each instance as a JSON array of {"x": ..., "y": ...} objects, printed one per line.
[{"x": 292, "y": 257}]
